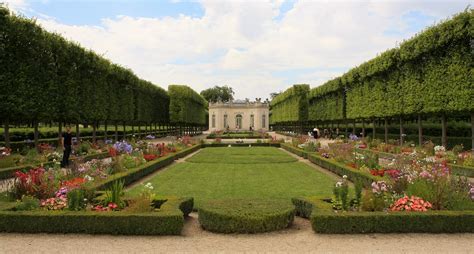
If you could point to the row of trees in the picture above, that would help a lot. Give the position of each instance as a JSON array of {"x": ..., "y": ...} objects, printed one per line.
[
  {"x": 290, "y": 107},
  {"x": 431, "y": 74},
  {"x": 187, "y": 108},
  {"x": 45, "y": 78}
]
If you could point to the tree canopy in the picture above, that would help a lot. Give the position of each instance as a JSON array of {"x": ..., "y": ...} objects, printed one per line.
[{"x": 218, "y": 93}]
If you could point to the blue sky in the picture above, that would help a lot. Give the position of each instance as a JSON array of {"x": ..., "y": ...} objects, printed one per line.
[{"x": 258, "y": 47}]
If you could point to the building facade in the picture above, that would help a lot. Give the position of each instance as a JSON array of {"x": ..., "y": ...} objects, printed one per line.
[{"x": 239, "y": 115}]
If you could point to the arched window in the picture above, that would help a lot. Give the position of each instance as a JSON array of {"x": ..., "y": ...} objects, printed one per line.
[
  {"x": 225, "y": 121},
  {"x": 238, "y": 121},
  {"x": 264, "y": 123},
  {"x": 252, "y": 124},
  {"x": 213, "y": 121}
]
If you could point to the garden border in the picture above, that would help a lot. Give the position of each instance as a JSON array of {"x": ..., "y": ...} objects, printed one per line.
[
  {"x": 324, "y": 220},
  {"x": 168, "y": 221}
]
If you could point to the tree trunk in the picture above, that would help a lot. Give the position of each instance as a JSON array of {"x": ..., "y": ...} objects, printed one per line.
[
  {"x": 354, "y": 127},
  {"x": 124, "y": 131},
  {"x": 78, "y": 134},
  {"x": 444, "y": 139},
  {"x": 36, "y": 133},
  {"x": 373, "y": 129},
  {"x": 420, "y": 131},
  {"x": 401, "y": 131},
  {"x": 116, "y": 131},
  {"x": 6, "y": 133},
  {"x": 60, "y": 133},
  {"x": 139, "y": 130},
  {"x": 94, "y": 132},
  {"x": 386, "y": 130},
  {"x": 105, "y": 130},
  {"x": 363, "y": 128},
  {"x": 472, "y": 132}
]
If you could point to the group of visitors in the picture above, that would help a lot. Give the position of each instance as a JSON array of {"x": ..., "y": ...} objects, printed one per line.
[{"x": 327, "y": 133}]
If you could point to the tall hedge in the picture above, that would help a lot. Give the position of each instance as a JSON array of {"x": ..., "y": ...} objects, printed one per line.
[
  {"x": 291, "y": 105},
  {"x": 44, "y": 77},
  {"x": 326, "y": 102},
  {"x": 431, "y": 73},
  {"x": 186, "y": 106}
]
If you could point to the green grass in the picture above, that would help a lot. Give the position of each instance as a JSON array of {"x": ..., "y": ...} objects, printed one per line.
[
  {"x": 241, "y": 155},
  {"x": 240, "y": 172}
]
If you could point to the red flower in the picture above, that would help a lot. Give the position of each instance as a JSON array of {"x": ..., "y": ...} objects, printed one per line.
[
  {"x": 112, "y": 152},
  {"x": 150, "y": 157}
]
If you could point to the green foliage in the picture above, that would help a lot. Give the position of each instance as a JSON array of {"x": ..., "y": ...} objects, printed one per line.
[
  {"x": 76, "y": 200},
  {"x": 186, "y": 106},
  {"x": 396, "y": 222},
  {"x": 291, "y": 105},
  {"x": 28, "y": 203},
  {"x": 218, "y": 93},
  {"x": 167, "y": 221},
  {"x": 430, "y": 73},
  {"x": 245, "y": 216},
  {"x": 115, "y": 194},
  {"x": 44, "y": 77}
]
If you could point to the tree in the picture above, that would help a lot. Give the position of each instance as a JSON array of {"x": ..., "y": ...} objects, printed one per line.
[{"x": 218, "y": 93}]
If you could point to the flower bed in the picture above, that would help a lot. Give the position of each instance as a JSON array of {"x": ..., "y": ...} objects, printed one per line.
[
  {"x": 6, "y": 173},
  {"x": 325, "y": 220},
  {"x": 167, "y": 220},
  {"x": 245, "y": 216},
  {"x": 241, "y": 145},
  {"x": 294, "y": 150}
]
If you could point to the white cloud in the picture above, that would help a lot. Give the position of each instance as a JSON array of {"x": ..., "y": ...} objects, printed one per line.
[{"x": 240, "y": 43}]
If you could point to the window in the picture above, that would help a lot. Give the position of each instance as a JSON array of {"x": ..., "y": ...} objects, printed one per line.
[
  {"x": 213, "y": 121},
  {"x": 238, "y": 121},
  {"x": 252, "y": 121},
  {"x": 225, "y": 121},
  {"x": 264, "y": 124}
]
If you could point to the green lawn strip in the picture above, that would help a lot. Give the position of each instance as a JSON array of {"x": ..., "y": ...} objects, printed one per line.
[
  {"x": 208, "y": 181},
  {"x": 241, "y": 155}
]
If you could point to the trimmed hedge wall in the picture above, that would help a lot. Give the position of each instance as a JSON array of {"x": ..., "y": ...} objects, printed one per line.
[
  {"x": 291, "y": 105},
  {"x": 167, "y": 221},
  {"x": 186, "y": 106},
  {"x": 6, "y": 173},
  {"x": 245, "y": 216}
]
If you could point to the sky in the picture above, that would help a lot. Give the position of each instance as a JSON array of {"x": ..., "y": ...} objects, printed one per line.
[{"x": 255, "y": 46}]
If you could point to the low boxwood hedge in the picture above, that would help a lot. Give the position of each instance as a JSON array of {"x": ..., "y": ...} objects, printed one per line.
[
  {"x": 352, "y": 174},
  {"x": 325, "y": 220},
  {"x": 167, "y": 221},
  {"x": 137, "y": 173},
  {"x": 340, "y": 169},
  {"x": 245, "y": 216},
  {"x": 294, "y": 150}
]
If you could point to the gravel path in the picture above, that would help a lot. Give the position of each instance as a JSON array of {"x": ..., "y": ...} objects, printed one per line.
[{"x": 297, "y": 239}]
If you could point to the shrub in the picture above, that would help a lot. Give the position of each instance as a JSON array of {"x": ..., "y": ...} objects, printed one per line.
[
  {"x": 76, "y": 200},
  {"x": 114, "y": 194},
  {"x": 28, "y": 203},
  {"x": 245, "y": 216}
]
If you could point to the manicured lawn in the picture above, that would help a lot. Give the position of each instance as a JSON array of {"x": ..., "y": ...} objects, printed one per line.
[{"x": 240, "y": 172}]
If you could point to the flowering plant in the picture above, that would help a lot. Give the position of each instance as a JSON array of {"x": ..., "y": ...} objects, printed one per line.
[
  {"x": 412, "y": 203},
  {"x": 380, "y": 187},
  {"x": 4, "y": 151},
  {"x": 150, "y": 157},
  {"x": 35, "y": 182},
  {"x": 123, "y": 147},
  {"x": 150, "y": 137},
  {"x": 58, "y": 203}
]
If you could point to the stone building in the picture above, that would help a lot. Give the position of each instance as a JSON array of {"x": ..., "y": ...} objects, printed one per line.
[{"x": 239, "y": 115}]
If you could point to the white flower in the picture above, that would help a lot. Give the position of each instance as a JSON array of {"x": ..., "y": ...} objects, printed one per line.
[{"x": 344, "y": 176}]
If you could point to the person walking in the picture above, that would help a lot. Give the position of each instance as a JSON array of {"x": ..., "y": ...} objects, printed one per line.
[{"x": 66, "y": 142}]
